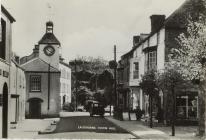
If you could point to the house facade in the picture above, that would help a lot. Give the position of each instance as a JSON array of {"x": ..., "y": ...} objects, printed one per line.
[
  {"x": 48, "y": 77},
  {"x": 150, "y": 52},
  {"x": 18, "y": 92},
  {"x": 12, "y": 79}
]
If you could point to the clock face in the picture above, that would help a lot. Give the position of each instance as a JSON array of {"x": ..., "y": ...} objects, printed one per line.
[{"x": 49, "y": 50}]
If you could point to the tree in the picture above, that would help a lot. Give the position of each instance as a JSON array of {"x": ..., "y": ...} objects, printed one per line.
[
  {"x": 168, "y": 81},
  {"x": 95, "y": 65},
  {"x": 190, "y": 60},
  {"x": 83, "y": 68},
  {"x": 103, "y": 81},
  {"x": 149, "y": 86}
]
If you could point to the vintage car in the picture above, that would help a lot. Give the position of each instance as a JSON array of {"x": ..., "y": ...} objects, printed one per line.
[{"x": 96, "y": 108}]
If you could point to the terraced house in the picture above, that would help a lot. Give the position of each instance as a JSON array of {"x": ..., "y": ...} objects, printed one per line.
[
  {"x": 12, "y": 79},
  {"x": 150, "y": 51}
]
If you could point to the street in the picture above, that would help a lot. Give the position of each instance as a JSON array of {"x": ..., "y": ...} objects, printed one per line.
[{"x": 79, "y": 125}]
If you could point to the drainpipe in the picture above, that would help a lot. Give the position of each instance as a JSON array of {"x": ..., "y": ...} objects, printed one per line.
[{"x": 48, "y": 107}]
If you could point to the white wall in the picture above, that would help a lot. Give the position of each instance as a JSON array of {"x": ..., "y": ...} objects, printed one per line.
[
  {"x": 65, "y": 83},
  {"x": 52, "y": 60},
  {"x": 161, "y": 50}
]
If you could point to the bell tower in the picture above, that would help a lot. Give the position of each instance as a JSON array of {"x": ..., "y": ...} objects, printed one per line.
[{"x": 49, "y": 46}]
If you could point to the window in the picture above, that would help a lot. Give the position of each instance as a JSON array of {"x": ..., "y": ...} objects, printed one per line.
[
  {"x": 136, "y": 70},
  {"x": 35, "y": 83},
  {"x": 3, "y": 40},
  {"x": 187, "y": 107},
  {"x": 152, "y": 60}
]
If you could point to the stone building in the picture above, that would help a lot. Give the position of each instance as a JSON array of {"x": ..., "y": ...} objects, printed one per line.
[
  {"x": 12, "y": 79},
  {"x": 48, "y": 77}
]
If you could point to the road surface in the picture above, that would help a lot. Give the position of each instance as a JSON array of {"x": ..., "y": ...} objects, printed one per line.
[{"x": 79, "y": 125}]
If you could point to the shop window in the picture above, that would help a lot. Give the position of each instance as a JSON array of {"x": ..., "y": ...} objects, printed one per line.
[
  {"x": 3, "y": 40},
  {"x": 35, "y": 83},
  {"x": 187, "y": 107}
]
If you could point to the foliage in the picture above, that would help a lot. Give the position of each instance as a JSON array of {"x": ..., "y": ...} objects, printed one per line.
[
  {"x": 190, "y": 58},
  {"x": 95, "y": 65},
  {"x": 113, "y": 64},
  {"x": 168, "y": 79},
  {"x": 68, "y": 107},
  {"x": 148, "y": 83},
  {"x": 83, "y": 93},
  {"x": 104, "y": 82},
  {"x": 190, "y": 61}
]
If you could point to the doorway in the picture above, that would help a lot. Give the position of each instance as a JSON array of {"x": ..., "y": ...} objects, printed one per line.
[
  {"x": 5, "y": 112},
  {"x": 35, "y": 108}
]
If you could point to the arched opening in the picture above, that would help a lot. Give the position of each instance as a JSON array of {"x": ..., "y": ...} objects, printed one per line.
[
  {"x": 5, "y": 112},
  {"x": 35, "y": 108}
]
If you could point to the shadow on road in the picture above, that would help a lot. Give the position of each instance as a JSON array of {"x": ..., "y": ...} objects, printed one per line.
[{"x": 87, "y": 124}]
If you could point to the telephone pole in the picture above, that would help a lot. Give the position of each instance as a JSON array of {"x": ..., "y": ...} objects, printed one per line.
[
  {"x": 75, "y": 67},
  {"x": 115, "y": 76}
]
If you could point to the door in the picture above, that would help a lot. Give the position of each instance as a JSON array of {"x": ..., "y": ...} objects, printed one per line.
[
  {"x": 5, "y": 112},
  {"x": 35, "y": 108}
]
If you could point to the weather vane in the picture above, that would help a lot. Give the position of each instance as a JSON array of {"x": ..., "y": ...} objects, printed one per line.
[{"x": 49, "y": 10}]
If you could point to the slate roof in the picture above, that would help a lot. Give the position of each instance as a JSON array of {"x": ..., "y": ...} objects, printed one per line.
[
  {"x": 49, "y": 38},
  {"x": 178, "y": 19},
  {"x": 193, "y": 8}
]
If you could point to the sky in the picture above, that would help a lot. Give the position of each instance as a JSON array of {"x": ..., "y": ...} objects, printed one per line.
[{"x": 84, "y": 27}]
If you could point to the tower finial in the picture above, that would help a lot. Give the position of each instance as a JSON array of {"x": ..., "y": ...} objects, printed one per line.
[{"x": 49, "y": 27}]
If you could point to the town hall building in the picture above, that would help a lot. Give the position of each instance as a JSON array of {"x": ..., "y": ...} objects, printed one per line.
[{"x": 48, "y": 77}]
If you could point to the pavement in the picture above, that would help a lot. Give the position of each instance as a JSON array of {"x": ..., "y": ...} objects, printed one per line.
[
  {"x": 138, "y": 129},
  {"x": 29, "y": 128}
]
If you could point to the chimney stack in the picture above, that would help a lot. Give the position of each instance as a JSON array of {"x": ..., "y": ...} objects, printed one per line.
[
  {"x": 156, "y": 22},
  {"x": 36, "y": 50},
  {"x": 17, "y": 60},
  {"x": 136, "y": 40}
]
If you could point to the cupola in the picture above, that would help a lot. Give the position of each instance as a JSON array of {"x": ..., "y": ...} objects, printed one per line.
[{"x": 49, "y": 27}]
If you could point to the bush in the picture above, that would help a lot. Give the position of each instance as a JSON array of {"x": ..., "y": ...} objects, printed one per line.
[
  {"x": 68, "y": 107},
  {"x": 139, "y": 113}
]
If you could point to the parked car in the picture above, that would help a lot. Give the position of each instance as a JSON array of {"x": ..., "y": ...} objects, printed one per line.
[
  {"x": 96, "y": 109},
  {"x": 107, "y": 109}
]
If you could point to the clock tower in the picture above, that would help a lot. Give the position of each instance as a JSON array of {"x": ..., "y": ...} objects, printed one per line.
[{"x": 49, "y": 46}]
